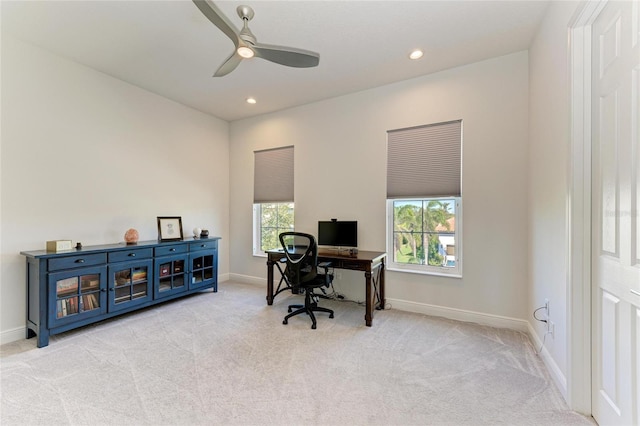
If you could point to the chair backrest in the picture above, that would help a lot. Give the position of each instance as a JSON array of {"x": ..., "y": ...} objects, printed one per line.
[{"x": 301, "y": 252}]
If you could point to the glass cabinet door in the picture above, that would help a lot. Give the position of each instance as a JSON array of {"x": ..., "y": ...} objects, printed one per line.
[
  {"x": 203, "y": 269},
  {"x": 77, "y": 293},
  {"x": 129, "y": 284},
  {"x": 170, "y": 276}
]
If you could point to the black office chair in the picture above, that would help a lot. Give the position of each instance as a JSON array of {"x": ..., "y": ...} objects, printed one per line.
[{"x": 301, "y": 252}]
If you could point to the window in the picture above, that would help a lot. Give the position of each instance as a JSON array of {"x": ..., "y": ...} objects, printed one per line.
[
  {"x": 270, "y": 219},
  {"x": 424, "y": 235},
  {"x": 272, "y": 197},
  {"x": 424, "y": 200}
]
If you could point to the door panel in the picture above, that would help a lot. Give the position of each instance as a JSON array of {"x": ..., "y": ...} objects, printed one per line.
[
  {"x": 609, "y": 353},
  {"x": 615, "y": 198}
]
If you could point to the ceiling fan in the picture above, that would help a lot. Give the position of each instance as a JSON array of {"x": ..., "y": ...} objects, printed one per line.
[{"x": 247, "y": 45}]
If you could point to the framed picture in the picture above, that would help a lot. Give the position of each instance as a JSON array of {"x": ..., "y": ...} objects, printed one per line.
[{"x": 169, "y": 228}]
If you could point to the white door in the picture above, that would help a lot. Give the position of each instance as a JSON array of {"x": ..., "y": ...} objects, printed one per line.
[{"x": 616, "y": 204}]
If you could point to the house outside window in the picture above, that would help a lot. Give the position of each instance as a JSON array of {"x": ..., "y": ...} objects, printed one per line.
[{"x": 424, "y": 235}]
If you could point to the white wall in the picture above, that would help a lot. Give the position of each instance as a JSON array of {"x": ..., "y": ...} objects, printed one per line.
[
  {"x": 549, "y": 151},
  {"x": 340, "y": 172},
  {"x": 86, "y": 156}
]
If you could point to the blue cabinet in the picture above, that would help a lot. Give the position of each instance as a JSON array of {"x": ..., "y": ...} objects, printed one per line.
[{"x": 77, "y": 287}]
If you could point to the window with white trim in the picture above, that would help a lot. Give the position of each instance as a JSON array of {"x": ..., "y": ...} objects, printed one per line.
[
  {"x": 424, "y": 201},
  {"x": 270, "y": 219},
  {"x": 273, "y": 208},
  {"x": 424, "y": 235}
]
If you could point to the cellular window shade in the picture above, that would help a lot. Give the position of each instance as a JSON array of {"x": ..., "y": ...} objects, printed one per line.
[
  {"x": 273, "y": 175},
  {"x": 424, "y": 161}
]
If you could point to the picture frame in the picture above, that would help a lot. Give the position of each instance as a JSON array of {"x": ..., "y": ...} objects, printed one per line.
[{"x": 170, "y": 228}]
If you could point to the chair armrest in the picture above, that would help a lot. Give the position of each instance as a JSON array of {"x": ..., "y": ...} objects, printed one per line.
[
  {"x": 328, "y": 278},
  {"x": 325, "y": 266}
]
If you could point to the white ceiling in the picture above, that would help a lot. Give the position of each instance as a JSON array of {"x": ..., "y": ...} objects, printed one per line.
[{"x": 170, "y": 48}]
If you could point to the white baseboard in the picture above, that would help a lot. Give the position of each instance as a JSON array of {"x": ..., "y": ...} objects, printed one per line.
[
  {"x": 13, "y": 335},
  {"x": 248, "y": 279},
  {"x": 459, "y": 314},
  {"x": 223, "y": 277},
  {"x": 556, "y": 374}
]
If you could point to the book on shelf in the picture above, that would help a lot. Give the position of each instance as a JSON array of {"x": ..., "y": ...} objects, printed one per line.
[
  {"x": 90, "y": 283},
  {"x": 73, "y": 305},
  {"x": 139, "y": 276},
  {"x": 165, "y": 270},
  {"x": 94, "y": 301},
  {"x": 86, "y": 302},
  {"x": 67, "y": 286}
]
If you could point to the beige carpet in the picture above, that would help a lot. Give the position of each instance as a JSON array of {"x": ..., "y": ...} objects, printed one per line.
[{"x": 226, "y": 358}]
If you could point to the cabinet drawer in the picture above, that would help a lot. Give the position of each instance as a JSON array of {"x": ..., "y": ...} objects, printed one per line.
[
  {"x": 171, "y": 249},
  {"x": 77, "y": 261},
  {"x": 133, "y": 254},
  {"x": 202, "y": 245}
]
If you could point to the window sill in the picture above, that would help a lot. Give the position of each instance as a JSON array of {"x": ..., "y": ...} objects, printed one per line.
[{"x": 414, "y": 271}]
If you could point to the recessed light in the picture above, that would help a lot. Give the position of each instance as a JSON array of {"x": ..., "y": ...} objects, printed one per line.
[
  {"x": 251, "y": 101},
  {"x": 416, "y": 54}
]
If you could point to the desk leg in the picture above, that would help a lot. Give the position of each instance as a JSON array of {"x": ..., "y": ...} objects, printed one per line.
[
  {"x": 368, "y": 315},
  {"x": 270, "y": 264}
]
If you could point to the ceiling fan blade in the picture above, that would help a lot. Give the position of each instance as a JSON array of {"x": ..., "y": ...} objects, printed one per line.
[
  {"x": 215, "y": 15},
  {"x": 289, "y": 56},
  {"x": 229, "y": 65}
]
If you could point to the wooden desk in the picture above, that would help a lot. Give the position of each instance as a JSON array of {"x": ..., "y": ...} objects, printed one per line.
[{"x": 371, "y": 262}]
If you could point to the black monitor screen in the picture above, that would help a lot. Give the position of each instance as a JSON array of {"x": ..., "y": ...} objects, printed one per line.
[{"x": 338, "y": 233}]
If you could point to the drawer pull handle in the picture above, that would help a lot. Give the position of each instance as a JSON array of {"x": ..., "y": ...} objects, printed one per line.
[
  {"x": 637, "y": 293},
  {"x": 112, "y": 289},
  {"x": 132, "y": 254},
  {"x": 79, "y": 260},
  {"x": 203, "y": 245},
  {"x": 172, "y": 249}
]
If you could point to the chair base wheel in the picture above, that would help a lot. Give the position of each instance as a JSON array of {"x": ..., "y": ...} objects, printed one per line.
[{"x": 308, "y": 308}]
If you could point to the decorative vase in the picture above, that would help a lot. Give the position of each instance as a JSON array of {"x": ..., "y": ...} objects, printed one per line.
[
  {"x": 204, "y": 233},
  {"x": 131, "y": 236}
]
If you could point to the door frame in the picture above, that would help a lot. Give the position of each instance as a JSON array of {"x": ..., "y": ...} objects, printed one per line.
[{"x": 579, "y": 226}]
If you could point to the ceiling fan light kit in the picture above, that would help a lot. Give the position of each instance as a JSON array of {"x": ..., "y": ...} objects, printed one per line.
[
  {"x": 246, "y": 44},
  {"x": 245, "y": 52}
]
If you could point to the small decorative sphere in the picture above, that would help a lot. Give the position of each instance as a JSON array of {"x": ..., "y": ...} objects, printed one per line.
[
  {"x": 131, "y": 236},
  {"x": 196, "y": 232}
]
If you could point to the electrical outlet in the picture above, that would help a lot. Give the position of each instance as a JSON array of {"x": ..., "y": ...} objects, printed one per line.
[
  {"x": 546, "y": 309},
  {"x": 339, "y": 275},
  {"x": 551, "y": 328}
]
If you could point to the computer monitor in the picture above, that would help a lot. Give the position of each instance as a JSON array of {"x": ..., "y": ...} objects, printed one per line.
[{"x": 336, "y": 233}]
